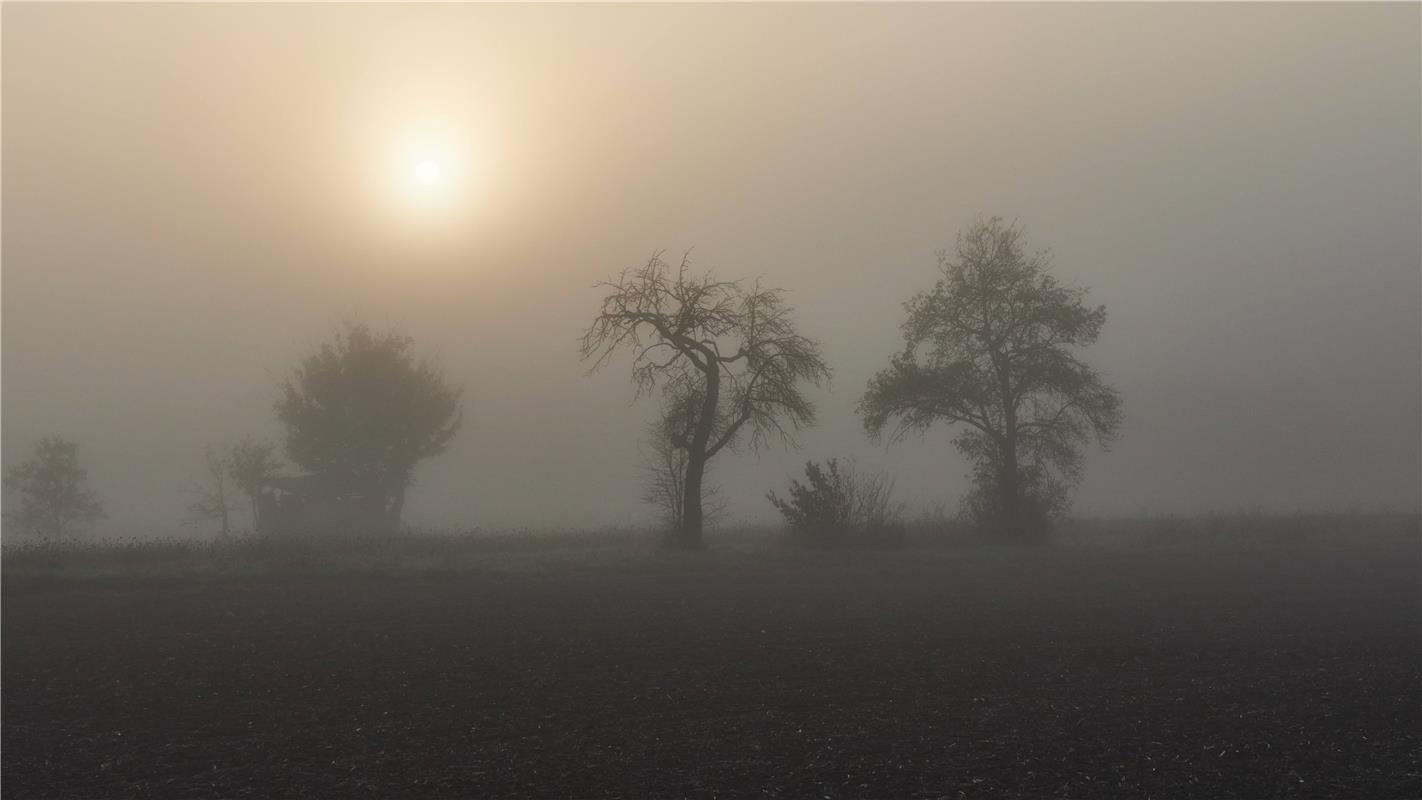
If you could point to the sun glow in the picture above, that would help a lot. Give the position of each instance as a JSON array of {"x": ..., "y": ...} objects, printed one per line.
[{"x": 429, "y": 176}]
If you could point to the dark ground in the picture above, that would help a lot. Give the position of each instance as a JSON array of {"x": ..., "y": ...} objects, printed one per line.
[{"x": 1291, "y": 672}]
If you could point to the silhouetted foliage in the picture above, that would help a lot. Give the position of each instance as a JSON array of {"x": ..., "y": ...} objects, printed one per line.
[
  {"x": 364, "y": 412},
  {"x": 992, "y": 347},
  {"x": 214, "y": 499},
  {"x": 822, "y": 507},
  {"x": 727, "y": 355},
  {"x": 53, "y": 497},
  {"x": 248, "y": 463},
  {"x": 837, "y": 504}
]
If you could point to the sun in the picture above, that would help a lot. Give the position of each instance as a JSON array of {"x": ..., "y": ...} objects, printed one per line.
[
  {"x": 429, "y": 176},
  {"x": 427, "y": 172}
]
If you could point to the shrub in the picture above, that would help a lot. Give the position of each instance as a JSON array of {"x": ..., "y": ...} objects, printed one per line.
[{"x": 838, "y": 505}]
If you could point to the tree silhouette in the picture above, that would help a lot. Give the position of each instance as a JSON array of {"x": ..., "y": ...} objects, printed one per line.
[
  {"x": 728, "y": 356},
  {"x": 250, "y": 462},
  {"x": 363, "y": 413},
  {"x": 214, "y": 500},
  {"x": 53, "y": 495},
  {"x": 992, "y": 348}
]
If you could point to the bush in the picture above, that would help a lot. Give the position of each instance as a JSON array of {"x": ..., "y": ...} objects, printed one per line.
[{"x": 837, "y": 506}]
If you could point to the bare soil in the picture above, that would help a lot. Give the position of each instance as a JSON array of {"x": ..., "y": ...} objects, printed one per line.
[{"x": 1291, "y": 672}]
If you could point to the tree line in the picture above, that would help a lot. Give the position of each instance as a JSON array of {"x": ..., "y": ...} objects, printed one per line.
[{"x": 992, "y": 350}]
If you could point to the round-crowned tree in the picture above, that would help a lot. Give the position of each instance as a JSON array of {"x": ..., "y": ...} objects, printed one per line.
[
  {"x": 994, "y": 350},
  {"x": 363, "y": 411},
  {"x": 53, "y": 494}
]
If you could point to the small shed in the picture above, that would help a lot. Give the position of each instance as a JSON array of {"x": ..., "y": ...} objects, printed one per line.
[{"x": 312, "y": 505}]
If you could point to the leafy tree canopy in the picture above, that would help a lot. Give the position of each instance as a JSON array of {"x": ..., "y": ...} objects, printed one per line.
[
  {"x": 994, "y": 349},
  {"x": 54, "y": 498},
  {"x": 364, "y": 412}
]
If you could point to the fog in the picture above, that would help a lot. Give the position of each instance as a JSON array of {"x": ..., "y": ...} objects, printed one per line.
[{"x": 195, "y": 196}]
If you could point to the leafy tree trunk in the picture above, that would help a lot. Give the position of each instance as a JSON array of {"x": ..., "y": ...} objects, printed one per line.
[
  {"x": 396, "y": 508},
  {"x": 1010, "y": 485},
  {"x": 1009, "y": 482}
]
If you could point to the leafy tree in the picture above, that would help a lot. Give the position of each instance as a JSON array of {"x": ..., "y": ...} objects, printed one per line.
[
  {"x": 248, "y": 463},
  {"x": 363, "y": 412},
  {"x": 993, "y": 348},
  {"x": 726, "y": 353},
  {"x": 53, "y": 496},
  {"x": 214, "y": 500}
]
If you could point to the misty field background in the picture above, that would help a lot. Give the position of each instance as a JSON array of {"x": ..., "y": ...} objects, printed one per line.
[{"x": 929, "y": 536}]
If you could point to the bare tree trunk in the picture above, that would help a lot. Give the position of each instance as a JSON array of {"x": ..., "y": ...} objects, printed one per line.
[
  {"x": 692, "y": 516},
  {"x": 692, "y": 520}
]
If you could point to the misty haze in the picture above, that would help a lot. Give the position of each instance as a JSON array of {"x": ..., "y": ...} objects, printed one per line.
[{"x": 792, "y": 400}]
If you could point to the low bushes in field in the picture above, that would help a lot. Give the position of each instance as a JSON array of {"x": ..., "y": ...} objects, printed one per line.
[
  {"x": 256, "y": 555},
  {"x": 1251, "y": 528},
  {"x": 937, "y": 524},
  {"x": 837, "y": 505}
]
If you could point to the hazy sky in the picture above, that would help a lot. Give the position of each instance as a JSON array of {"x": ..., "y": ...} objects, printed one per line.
[{"x": 194, "y": 196}]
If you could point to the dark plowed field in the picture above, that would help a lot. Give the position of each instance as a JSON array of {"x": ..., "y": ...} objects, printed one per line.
[{"x": 1294, "y": 672}]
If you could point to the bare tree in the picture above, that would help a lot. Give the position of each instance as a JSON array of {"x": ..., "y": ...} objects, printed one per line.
[
  {"x": 214, "y": 500},
  {"x": 728, "y": 353},
  {"x": 992, "y": 348},
  {"x": 53, "y": 495}
]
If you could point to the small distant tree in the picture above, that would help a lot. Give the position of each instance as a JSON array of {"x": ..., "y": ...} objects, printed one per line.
[
  {"x": 993, "y": 349},
  {"x": 728, "y": 352},
  {"x": 249, "y": 463},
  {"x": 53, "y": 494},
  {"x": 214, "y": 498},
  {"x": 364, "y": 412}
]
